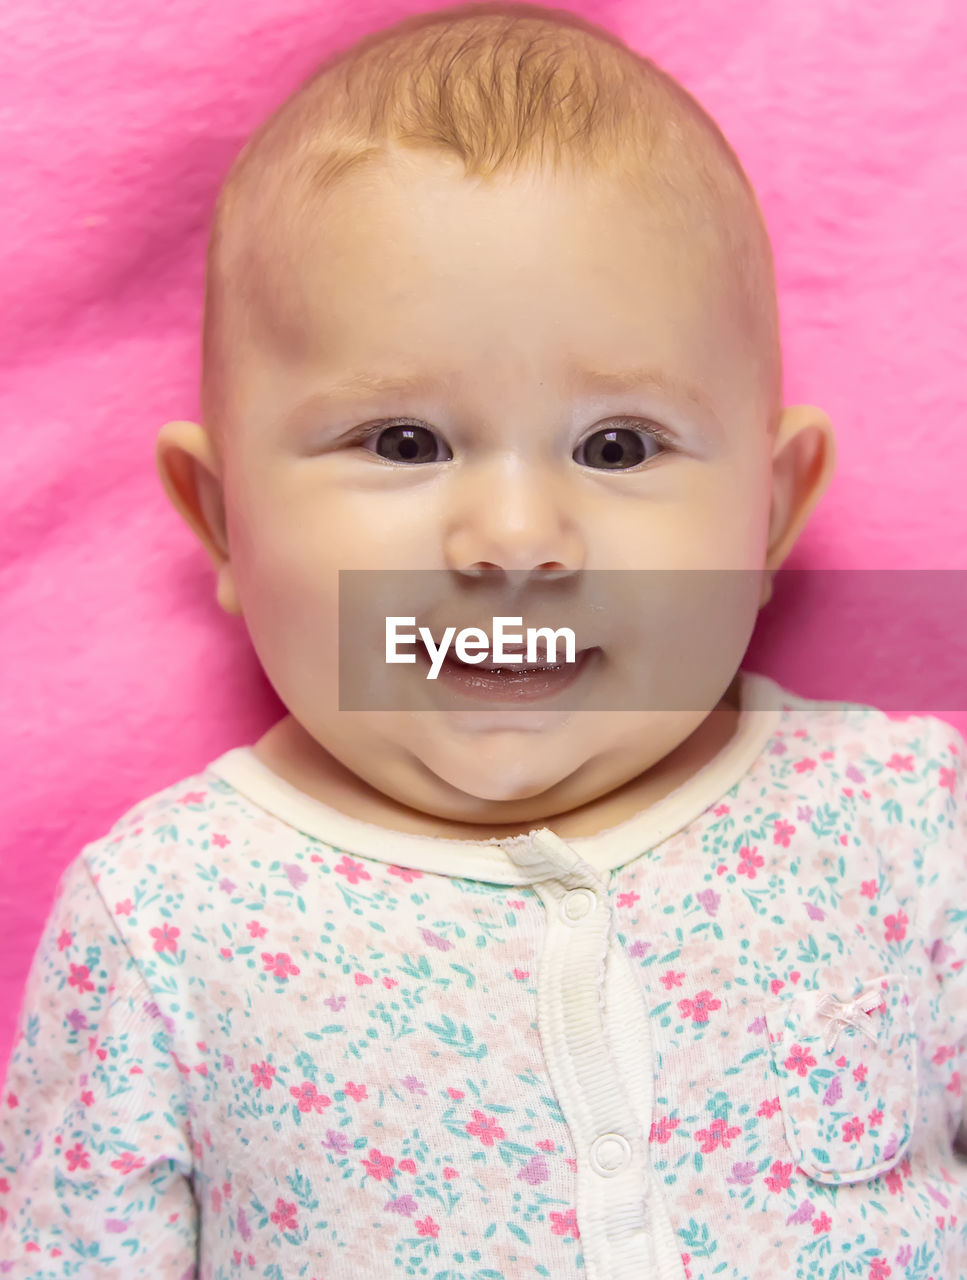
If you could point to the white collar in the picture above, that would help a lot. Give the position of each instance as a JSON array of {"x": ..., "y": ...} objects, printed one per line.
[{"x": 498, "y": 860}]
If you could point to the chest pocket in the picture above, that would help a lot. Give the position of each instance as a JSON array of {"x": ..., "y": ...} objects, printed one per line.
[{"x": 847, "y": 1067}]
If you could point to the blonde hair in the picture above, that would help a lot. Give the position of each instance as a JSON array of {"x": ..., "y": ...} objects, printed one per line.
[{"x": 504, "y": 87}]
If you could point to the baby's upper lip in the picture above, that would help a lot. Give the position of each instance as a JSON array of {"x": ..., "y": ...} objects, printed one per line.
[{"x": 487, "y": 661}]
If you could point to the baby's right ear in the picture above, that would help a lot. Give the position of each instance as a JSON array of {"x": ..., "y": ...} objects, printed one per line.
[{"x": 191, "y": 476}]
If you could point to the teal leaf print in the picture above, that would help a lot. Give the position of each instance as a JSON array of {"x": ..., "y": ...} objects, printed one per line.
[
  {"x": 519, "y": 1232},
  {"x": 808, "y": 951},
  {"x": 825, "y": 820},
  {"x": 470, "y": 979},
  {"x": 307, "y": 1066},
  {"x": 419, "y": 969},
  {"x": 893, "y": 811},
  {"x": 553, "y": 1109},
  {"x": 510, "y": 1151},
  {"x": 720, "y": 1105},
  {"x": 696, "y": 1238},
  {"x": 758, "y": 899},
  {"x": 462, "y": 1042},
  {"x": 819, "y": 1079},
  {"x": 302, "y": 1190}
]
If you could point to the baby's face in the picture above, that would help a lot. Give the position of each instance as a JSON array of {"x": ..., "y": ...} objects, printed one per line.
[{"x": 495, "y": 298}]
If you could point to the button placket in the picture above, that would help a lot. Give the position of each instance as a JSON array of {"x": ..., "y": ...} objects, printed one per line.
[{"x": 612, "y": 1181}]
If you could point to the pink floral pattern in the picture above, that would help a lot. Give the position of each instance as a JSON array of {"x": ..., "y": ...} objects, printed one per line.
[{"x": 245, "y": 1052}]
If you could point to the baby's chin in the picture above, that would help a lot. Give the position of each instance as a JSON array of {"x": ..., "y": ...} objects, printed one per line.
[{"x": 508, "y": 767}]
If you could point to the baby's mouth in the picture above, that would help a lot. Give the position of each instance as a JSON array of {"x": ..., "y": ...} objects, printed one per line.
[
  {"x": 489, "y": 681},
  {"x": 523, "y": 667}
]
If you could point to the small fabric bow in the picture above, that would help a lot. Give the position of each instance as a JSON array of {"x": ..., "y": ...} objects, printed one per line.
[{"x": 837, "y": 1014}]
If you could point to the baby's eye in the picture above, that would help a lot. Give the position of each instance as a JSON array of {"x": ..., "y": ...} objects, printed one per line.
[
  {"x": 618, "y": 448},
  {"x": 408, "y": 442}
]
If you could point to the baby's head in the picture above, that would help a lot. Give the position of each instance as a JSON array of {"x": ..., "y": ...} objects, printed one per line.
[{"x": 553, "y": 245}]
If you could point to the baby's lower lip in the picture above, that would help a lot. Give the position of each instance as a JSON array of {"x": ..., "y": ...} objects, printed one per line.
[{"x": 512, "y": 683}]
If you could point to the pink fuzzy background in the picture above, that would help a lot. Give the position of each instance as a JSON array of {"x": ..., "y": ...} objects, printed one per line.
[{"x": 119, "y": 673}]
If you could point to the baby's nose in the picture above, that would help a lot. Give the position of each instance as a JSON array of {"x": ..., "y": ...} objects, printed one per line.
[{"x": 518, "y": 521}]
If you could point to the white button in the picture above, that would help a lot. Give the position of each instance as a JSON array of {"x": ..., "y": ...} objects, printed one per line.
[
  {"x": 610, "y": 1153},
  {"x": 577, "y": 904}
]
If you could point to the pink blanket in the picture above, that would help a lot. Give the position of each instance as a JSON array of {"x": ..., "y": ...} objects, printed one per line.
[{"x": 120, "y": 675}]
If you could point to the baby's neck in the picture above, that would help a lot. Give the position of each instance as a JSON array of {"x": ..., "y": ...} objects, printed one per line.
[{"x": 291, "y": 753}]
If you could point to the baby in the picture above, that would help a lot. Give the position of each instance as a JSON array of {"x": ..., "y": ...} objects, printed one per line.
[{"x": 513, "y": 986}]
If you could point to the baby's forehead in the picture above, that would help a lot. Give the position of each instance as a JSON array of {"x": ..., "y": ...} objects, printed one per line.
[{"x": 295, "y": 270}]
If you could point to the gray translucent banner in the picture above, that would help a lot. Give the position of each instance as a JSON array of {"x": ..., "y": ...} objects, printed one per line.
[{"x": 648, "y": 640}]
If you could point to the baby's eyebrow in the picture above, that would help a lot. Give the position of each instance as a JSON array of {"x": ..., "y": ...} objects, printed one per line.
[
  {"x": 579, "y": 378},
  {"x": 632, "y": 379}
]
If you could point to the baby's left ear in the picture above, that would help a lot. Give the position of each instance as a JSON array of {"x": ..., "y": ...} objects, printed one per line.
[{"x": 803, "y": 464}]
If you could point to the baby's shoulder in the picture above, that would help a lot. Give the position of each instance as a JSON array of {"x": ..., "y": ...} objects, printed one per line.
[
  {"x": 915, "y": 748},
  {"x": 901, "y": 779},
  {"x": 175, "y": 833},
  {"x": 891, "y": 790}
]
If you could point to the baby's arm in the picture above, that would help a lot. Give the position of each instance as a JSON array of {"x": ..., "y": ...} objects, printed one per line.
[
  {"x": 95, "y": 1146},
  {"x": 943, "y": 907}
]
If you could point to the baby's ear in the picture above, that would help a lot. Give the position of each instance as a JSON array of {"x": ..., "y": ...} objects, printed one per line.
[
  {"x": 803, "y": 464},
  {"x": 191, "y": 477}
]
